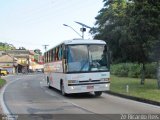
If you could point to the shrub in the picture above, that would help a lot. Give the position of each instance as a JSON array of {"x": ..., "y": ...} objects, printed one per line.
[
  {"x": 150, "y": 71},
  {"x": 120, "y": 70},
  {"x": 133, "y": 70}
]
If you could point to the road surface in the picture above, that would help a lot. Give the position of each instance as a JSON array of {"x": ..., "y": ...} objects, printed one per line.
[{"x": 29, "y": 94}]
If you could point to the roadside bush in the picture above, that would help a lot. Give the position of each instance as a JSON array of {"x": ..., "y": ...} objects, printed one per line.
[
  {"x": 133, "y": 70},
  {"x": 120, "y": 70},
  {"x": 151, "y": 70}
]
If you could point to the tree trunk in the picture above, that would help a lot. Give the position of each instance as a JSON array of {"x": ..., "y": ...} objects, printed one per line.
[
  {"x": 158, "y": 73},
  {"x": 142, "y": 74}
]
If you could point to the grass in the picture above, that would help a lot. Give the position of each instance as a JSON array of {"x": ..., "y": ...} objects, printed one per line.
[
  {"x": 148, "y": 91},
  {"x": 2, "y": 82}
]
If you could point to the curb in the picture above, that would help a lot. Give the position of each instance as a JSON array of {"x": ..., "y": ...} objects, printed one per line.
[
  {"x": 1, "y": 87},
  {"x": 134, "y": 98}
]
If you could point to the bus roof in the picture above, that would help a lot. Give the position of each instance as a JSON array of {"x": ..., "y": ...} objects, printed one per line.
[
  {"x": 80, "y": 41},
  {"x": 83, "y": 41}
]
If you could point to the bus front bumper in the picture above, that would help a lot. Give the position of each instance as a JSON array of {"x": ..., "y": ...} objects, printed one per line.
[{"x": 87, "y": 88}]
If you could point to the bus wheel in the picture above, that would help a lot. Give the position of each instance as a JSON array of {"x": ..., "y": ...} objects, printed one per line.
[
  {"x": 48, "y": 83},
  {"x": 98, "y": 93},
  {"x": 62, "y": 89}
]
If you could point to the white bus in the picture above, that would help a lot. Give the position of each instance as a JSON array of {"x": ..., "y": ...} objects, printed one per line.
[{"x": 78, "y": 66}]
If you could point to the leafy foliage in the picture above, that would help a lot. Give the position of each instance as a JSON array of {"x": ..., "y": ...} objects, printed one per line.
[
  {"x": 133, "y": 70},
  {"x": 132, "y": 30},
  {"x": 110, "y": 24},
  {"x": 6, "y": 46}
]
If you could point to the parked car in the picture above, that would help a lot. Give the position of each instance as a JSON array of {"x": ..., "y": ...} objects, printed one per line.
[
  {"x": 39, "y": 70},
  {"x": 3, "y": 72}
]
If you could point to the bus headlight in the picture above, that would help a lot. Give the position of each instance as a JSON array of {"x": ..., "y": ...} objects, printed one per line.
[{"x": 72, "y": 87}]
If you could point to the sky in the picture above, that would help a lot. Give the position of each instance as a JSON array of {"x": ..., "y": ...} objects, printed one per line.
[{"x": 34, "y": 23}]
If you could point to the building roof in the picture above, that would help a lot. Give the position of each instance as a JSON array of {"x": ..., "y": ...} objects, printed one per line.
[
  {"x": 19, "y": 52},
  {"x": 2, "y": 53},
  {"x": 6, "y": 59},
  {"x": 31, "y": 52}
]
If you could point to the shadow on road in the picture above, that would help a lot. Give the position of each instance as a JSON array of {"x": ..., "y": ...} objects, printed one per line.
[{"x": 77, "y": 95}]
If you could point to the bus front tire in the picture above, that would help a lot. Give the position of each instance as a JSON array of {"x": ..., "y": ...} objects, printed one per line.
[
  {"x": 48, "y": 83},
  {"x": 62, "y": 89},
  {"x": 98, "y": 93}
]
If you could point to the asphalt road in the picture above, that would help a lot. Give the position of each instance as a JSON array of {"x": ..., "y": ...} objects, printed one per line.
[{"x": 29, "y": 94}]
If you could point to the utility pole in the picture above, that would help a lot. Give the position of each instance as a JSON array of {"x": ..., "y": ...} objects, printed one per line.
[{"x": 45, "y": 47}]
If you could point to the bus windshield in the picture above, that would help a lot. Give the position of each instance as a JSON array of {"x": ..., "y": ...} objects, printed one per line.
[{"x": 87, "y": 58}]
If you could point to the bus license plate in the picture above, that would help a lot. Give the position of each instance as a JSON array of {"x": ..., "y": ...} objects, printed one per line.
[{"x": 90, "y": 87}]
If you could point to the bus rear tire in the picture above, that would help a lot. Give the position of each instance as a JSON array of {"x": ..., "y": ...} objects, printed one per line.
[
  {"x": 98, "y": 93},
  {"x": 48, "y": 83},
  {"x": 62, "y": 89}
]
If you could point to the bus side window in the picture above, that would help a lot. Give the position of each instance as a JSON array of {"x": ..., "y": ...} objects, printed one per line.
[
  {"x": 60, "y": 53},
  {"x": 64, "y": 53},
  {"x": 53, "y": 54},
  {"x": 47, "y": 57},
  {"x": 50, "y": 56},
  {"x": 57, "y": 54},
  {"x": 44, "y": 58}
]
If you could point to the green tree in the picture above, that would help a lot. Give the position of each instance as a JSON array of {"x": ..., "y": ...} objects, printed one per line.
[
  {"x": 38, "y": 51},
  {"x": 37, "y": 54},
  {"x": 110, "y": 22},
  {"x": 156, "y": 56},
  {"x": 6, "y": 46},
  {"x": 143, "y": 30},
  {"x": 130, "y": 28}
]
